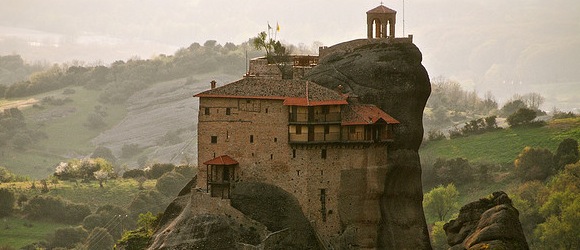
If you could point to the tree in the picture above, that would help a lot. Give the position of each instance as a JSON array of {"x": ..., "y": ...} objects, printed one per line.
[
  {"x": 533, "y": 100},
  {"x": 521, "y": 117},
  {"x": 534, "y": 164},
  {"x": 441, "y": 201},
  {"x": 101, "y": 176},
  {"x": 511, "y": 107},
  {"x": 158, "y": 169},
  {"x": 100, "y": 239},
  {"x": 560, "y": 231},
  {"x": 7, "y": 200},
  {"x": 567, "y": 153},
  {"x": 139, "y": 239},
  {"x": 68, "y": 237},
  {"x": 276, "y": 53},
  {"x": 171, "y": 183},
  {"x": 105, "y": 153},
  {"x": 438, "y": 237}
]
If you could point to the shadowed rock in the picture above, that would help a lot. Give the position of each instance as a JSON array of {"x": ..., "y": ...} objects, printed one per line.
[
  {"x": 490, "y": 223},
  {"x": 392, "y": 77}
]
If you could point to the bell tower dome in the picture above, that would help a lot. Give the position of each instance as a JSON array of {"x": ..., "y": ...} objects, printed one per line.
[{"x": 380, "y": 21}]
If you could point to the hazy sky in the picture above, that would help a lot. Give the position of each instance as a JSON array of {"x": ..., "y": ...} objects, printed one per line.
[{"x": 476, "y": 41}]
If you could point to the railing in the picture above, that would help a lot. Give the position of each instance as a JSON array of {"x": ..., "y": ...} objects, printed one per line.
[
  {"x": 315, "y": 137},
  {"x": 314, "y": 118}
]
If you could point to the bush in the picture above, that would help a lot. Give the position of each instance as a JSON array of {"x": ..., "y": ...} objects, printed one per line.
[
  {"x": 171, "y": 183},
  {"x": 534, "y": 164},
  {"x": 435, "y": 135},
  {"x": 456, "y": 171},
  {"x": 111, "y": 218},
  {"x": 68, "y": 237},
  {"x": 521, "y": 117},
  {"x": 100, "y": 239},
  {"x": 567, "y": 153},
  {"x": 158, "y": 169},
  {"x": 7, "y": 200},
  {"x": 129, "y": 150},
  {"x": 56, "y": 209},
  {"x": 133, "y": 173},
  {"x": 185, "y": 170},
  {"x": 148, "y": 201}
]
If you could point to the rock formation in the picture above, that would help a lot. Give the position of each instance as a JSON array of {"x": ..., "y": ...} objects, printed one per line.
[
  {"x": 490, "y": 223},
  {"x": 389, "y": 75},
  {"x": 392, "y": 77}
]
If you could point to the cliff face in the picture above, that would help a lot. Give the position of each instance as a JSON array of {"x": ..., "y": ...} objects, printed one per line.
[
  {"x": 392, "y": 77},
  {"x": 490, "y": 223},
  {"x": 378, "y": 208}
]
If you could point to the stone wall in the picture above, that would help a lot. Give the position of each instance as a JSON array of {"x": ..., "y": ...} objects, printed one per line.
[{"x": 316, "y": 174}]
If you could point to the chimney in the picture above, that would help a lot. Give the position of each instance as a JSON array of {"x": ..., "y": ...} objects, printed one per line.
[
  {"x": 213, "y": 82},
  {"x": 339, "y": 89}
]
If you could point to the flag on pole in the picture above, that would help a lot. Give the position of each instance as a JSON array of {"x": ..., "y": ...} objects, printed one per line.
[
  {"x": 277, "y": 27},
  {"x": 269, "y": 27}
]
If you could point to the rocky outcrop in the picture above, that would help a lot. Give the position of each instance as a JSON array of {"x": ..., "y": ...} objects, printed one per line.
[
  {"x": 258, "y": 216},
  {"x": 392, "y": 77},
  {"x": 490, "y": 223}
]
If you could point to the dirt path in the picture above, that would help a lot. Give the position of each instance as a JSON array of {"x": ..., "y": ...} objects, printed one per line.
[{"x": 18, "y": 104}]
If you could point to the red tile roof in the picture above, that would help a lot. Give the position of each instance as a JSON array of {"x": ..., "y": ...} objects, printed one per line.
[
  {"x": 222, "y": 160},
  {"x": 364, "y": 114},
  {"x": 382, "y": 9},
  {"x": 293, "y": 92}
]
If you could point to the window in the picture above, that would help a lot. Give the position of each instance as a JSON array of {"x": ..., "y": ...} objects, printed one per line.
[
  {"x": 266, "y": 110},
  {"x": 298, "y": 172},
  {"x": 228, "y": 111},
  {"x": 352, "y": 129},
  {"x": 323, "y": 154},
  {"x": 325, "y": 109},
  {"x": 293, "y": 153},
  {"x": 251, "y": 138},
  {"x": 298, "y": 129},
  {"x": 271, "y": 156},
  {"x": 206, "y": 111},
  {"x": 213, "y": 139}
]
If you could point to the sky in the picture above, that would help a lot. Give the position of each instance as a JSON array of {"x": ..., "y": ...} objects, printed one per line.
[{"x": 484, "y": 44}]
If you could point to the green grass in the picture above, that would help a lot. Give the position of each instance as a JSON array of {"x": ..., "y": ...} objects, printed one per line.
[
  {"x": 14, "y": 231},
  {"x": 503, "y": 146},
  {"x": 68, "y": 137},
  {"x": 17, "y": 232}
]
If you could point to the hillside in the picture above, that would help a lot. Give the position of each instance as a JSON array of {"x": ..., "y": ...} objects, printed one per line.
[{"x": 503, "y": 146}]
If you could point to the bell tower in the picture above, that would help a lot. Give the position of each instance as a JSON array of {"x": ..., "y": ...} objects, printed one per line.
[{"x": 381, "y": 23}]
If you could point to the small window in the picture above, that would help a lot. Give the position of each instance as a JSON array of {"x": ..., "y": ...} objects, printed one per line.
[
  {"x": 298, "y": 172},
  {"x": 271, "y": 157},
  {"x": 326, "y": 129},
  {"x": 323, "y": 154},
  {"x": 206, "y": 111},
  {"x": 213, "y": 139},
  {"x": 275, "y": 139},
  {"x": 251, "y": 138},
  {"x": 298, "y": 129},
  {"x": 266, "y": 110},
  {"x": 228, "y": 111},
  {"x": 352, "y": 129},
  {"x": 293, "y": 153}
]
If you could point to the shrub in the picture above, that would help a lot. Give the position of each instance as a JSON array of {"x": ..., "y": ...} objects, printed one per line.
[
  {"x": 185, "y": 170},
  {"x": 171, "y": 183},
  {"x": 534, "y": 164},
  {"x": 100, "y": 239},
  {"x": 456, "y": 170},
  {"x": 435, "y": 135},
  {"x": 7, "y": 200},
  {"x": 129, "y": 150},
  {"x": 68, "y": 237},
  {"x": 158, "y": 169},
  {"x": 521, "y": 117},
  {"x": 56, "y": 209},
  {"x": 133, "y": 173},
  {"x": 148, "y": 201},
  {"x": 567, "y": 153}
]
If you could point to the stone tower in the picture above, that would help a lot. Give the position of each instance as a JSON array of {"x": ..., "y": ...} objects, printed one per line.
[{"x": 383, "y": 19}]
